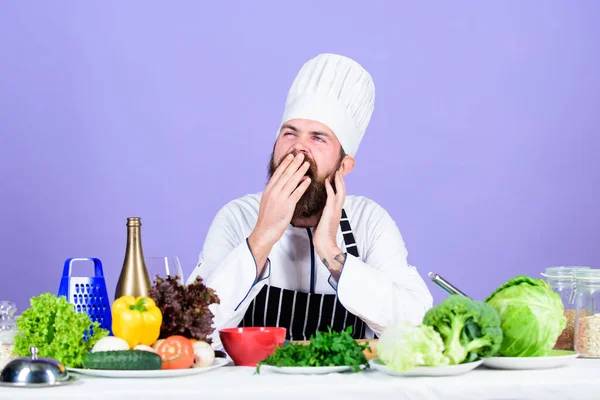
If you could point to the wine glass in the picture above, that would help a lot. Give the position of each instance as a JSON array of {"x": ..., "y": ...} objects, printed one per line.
[{"x": 163, "y": 267}]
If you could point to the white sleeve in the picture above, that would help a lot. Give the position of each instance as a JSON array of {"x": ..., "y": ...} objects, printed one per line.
[
  {"x": 384, "y": 289},
  {"x": 227, "y": 266}
]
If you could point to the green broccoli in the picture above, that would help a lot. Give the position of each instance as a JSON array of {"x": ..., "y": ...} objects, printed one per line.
[{"x": 470, "y": 329}]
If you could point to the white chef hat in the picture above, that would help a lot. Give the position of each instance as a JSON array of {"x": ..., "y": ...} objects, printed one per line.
[{"x": 337, "y": 92}]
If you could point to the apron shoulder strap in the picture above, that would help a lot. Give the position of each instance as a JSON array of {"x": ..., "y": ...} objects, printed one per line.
[{"x": 348, "y": 235}]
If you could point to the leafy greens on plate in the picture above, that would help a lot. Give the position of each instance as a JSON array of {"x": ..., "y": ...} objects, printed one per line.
[
  {"x": 459, "y": 330},
  {"x": 404, "y": 346},
  {"x": 326, "y": 349}
]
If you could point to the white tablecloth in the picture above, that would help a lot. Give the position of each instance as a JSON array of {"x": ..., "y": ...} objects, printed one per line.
[{"x": 578, "y": 381}]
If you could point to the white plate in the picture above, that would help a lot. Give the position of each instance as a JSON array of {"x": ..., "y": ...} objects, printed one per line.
[
  {"x": 152, "y": 373},
  {"x": 555, "y": 360},
  {"x": 444, "y": 370},
  {"x": 305, "y": 370}
]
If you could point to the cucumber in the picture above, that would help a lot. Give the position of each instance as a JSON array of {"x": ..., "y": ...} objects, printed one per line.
[{"x": 122, "y": 360}]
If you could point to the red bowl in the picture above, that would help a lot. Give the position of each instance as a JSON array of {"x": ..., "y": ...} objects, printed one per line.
[{"x": 248, "y": 346}]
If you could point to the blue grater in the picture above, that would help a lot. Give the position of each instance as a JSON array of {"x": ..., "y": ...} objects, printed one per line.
[{"x": 88, "y": 294}]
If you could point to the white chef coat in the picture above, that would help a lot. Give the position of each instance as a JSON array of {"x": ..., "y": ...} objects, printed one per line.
[{"x": 379, "y": 286}]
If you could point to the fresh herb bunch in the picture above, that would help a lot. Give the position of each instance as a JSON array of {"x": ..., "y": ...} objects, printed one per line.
[
  {"x": 326, "y": 349},
  {"x": 184, "y": 308},
  {"x": 53, "y": 326}
]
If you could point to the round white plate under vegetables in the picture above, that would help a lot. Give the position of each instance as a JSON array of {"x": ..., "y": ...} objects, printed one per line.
[
  {"x": 442, "y": 370},
  {"x": 152, "y": 373},
  {"x": 556, "y": 359}
]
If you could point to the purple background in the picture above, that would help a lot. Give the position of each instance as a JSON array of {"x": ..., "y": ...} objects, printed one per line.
[{"x": 482, "y": 145}]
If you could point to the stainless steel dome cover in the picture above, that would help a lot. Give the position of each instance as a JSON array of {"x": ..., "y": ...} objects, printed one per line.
[{"x": 34, "y": 371}]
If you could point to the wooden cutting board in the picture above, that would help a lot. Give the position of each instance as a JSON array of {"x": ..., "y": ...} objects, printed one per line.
[{"x": 370, "y": 352}]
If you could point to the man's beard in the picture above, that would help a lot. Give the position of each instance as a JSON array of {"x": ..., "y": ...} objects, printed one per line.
[{"x": 314, "y": 198}]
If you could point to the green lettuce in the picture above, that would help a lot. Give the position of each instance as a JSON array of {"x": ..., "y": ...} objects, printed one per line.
[
  {"x": 403, "y": 347},
  {"x": 531, "y": 314},
  {"x": 53, "y": 326}
]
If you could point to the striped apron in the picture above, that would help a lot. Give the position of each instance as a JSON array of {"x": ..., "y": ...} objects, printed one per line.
[{"x": 303, "y": 314}]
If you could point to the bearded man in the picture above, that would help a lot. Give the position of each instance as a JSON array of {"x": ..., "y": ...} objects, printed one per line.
[{"x": 302, "y": 254}]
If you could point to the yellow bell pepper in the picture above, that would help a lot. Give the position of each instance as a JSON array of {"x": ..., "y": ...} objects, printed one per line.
[{"x": 137, "y": 320}]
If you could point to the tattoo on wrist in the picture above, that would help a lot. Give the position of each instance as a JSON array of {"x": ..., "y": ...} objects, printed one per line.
[
  {"x": 336, "y": 271},
  {"x": 341, "y": 258}
]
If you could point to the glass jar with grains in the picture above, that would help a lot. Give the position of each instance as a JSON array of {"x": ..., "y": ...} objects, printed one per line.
[
  {"x": 587, "y": 318},
  {"x": 562, "y": 281},
  {"x": 8, "y": 330}
]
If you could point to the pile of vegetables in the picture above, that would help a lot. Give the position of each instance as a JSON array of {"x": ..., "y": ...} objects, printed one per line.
[
  {"x": 522, "y": 318},
  {"x": 172, "y": 323},
  {"x": 326, "y": 349},
  {"x": 174, "y": 352},
  {"x": 166, "y": 330},
  {"x": 456, "y": 331},
  {"x": 170, "y": 329}
]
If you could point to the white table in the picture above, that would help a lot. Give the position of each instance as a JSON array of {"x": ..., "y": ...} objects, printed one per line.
[{"x": 578, "y": 381}]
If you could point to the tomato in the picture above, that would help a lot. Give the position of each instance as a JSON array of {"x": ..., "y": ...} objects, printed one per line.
[{"x": 176, "y": 352}]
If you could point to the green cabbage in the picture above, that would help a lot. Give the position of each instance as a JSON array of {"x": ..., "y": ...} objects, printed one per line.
[
  {"x": 531, "y": 314},
  {"x": 403, "y": 347}
]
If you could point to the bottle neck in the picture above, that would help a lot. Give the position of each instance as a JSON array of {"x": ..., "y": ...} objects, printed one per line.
[
  {"x": 134, "y": 236},
  {"x": 134, "y": 243}
]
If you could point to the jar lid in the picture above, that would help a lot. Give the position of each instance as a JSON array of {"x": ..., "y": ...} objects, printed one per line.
[
  {"x": 588, "y": 275},
  {"x": 562, "y": 272}
]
